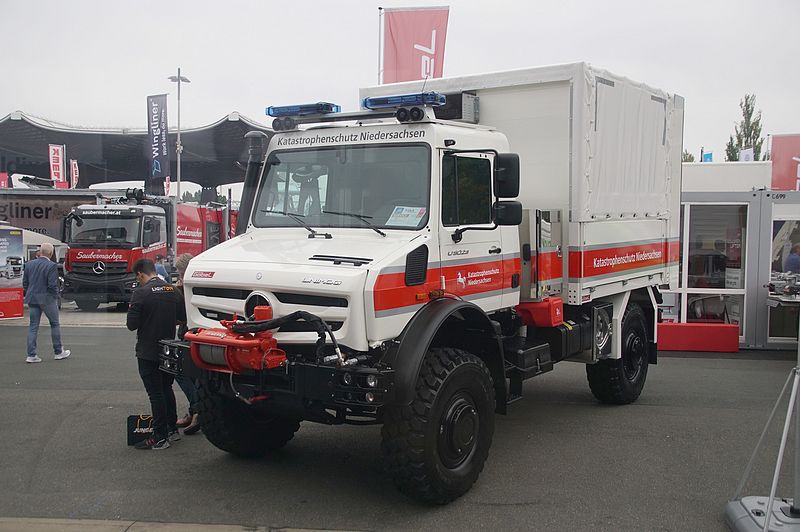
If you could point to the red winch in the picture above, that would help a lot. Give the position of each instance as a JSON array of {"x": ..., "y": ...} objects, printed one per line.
[{"x": 228, "y": 351}]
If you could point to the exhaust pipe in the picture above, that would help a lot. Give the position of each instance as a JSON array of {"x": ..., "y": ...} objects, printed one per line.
[{"x": 255, "y": 150}]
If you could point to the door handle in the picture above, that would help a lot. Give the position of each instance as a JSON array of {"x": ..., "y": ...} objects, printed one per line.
[{"x": 494, "y": 249}]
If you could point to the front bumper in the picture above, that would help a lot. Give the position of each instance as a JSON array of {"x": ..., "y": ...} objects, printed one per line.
[
  {"x": 105, "y": 289},
  {"x": 322, "y": 393}
]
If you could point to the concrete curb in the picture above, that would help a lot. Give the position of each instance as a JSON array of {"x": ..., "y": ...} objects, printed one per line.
[{"x": 24, "y": 524}]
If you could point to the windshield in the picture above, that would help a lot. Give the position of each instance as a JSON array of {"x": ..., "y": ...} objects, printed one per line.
[
  {"x": 105, "y": 231},
  {"x": 387, "y": 186}
]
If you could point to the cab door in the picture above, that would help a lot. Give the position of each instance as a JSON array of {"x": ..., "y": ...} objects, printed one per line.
[{"x": 472, "y": 259}]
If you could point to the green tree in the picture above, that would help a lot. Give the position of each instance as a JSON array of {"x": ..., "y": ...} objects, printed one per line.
[
  {"x": 747, "y": 131},
  {"x": 687, "y": 157}
]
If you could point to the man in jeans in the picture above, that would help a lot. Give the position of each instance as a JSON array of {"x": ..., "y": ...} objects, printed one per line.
[
  {"x": 40, "y": 284},
  {"x": 153, "y": 313}
]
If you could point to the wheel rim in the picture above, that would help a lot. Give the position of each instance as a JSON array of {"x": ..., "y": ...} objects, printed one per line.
[
  {"x": 635, "y": 352},
  {"x": 458, "y": 431}
]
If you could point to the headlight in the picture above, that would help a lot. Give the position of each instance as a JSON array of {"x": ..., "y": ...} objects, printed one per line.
[{"x": 372, "y": 381}]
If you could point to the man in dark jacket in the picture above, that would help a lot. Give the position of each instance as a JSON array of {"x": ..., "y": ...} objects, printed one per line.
[
  {"x": 153, "y": 313},
  {"x": 40, "y": 284}
]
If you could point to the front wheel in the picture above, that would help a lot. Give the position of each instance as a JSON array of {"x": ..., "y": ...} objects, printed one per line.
[
  {"x": 239, "y": 429},
  {"x": 436, "y": 447},
  {"x": 621, "y": 381}
]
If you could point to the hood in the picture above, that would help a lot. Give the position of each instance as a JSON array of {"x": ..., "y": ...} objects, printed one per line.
[{"x": 292, "y": 246}]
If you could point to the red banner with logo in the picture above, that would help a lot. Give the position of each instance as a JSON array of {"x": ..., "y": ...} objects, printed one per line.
[
  {"x": 11, "y": 270},
  {"x": 73, "y": 165},
  {"x": 55, "y": 156},
  {"x": 413, "y": 43},
  {"x": 785, "y": 155}
]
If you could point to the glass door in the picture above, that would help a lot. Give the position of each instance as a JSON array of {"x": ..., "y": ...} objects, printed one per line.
[
  {"x": 719, "y": 237},
  {"x": 779, "y": 267}
]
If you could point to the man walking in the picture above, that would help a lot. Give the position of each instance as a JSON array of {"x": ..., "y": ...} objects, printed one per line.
[
  {"x": 153, "y": 313},
  {"x": 40, "y": 284}
]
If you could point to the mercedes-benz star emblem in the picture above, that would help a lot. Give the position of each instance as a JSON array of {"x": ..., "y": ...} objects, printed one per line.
[
  {"x": 99, "y": 267},
  {"x": 258, "y": 276}
]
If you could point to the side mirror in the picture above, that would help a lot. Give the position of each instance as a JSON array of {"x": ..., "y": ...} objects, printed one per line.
[
  {"x": 507, "y": 212},
  {"x": 506, "y": 175}
]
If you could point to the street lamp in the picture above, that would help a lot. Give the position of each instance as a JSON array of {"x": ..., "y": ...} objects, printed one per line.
[{"x": 178, "y": 146}]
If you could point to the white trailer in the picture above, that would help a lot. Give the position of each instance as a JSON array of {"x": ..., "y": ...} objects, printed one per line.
[{"x": 400, "y": 268}]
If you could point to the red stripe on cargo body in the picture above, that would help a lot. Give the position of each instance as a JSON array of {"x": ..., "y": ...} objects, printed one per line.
[
  {"x": 550, "y": 266},
  {"x": 617, "y": 259},
  {"x": 673, "y": 250},
  {"x": 391, "y": 292}
]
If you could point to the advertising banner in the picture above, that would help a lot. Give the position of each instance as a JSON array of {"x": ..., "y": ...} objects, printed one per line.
[
  {"x": 11, "y": 269},
  {"x": 3, "y": 180},
  {"x": 56, "y": 158},
  {"x": 41, "y": 214},
  {"x": 157, "y": 143},
  {"x": 785, "y": 155},
  {"x": 73, "y": 165},
  {"x": 413, "y": 43}
]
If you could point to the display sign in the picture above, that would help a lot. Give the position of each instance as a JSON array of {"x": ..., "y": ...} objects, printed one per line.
[
  {"x": 413, "y": 43},
  {"x": 73, "y": 165},
  {"x": 11, "y": 270},
  {"x": 56, "y": 159},
  {"x": 3, "y": 180},
  {"x": 157, "y": 143},
  {"x": 785, "y": 155},
  {"x": 41, "y": 214}
]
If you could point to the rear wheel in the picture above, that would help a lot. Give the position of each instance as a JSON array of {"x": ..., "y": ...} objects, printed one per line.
[
  {"x": 239, "y": 429},
  {"x": 436, "y": 447},
  {"x": 621, "y": 381},
  {"x": 87, "y": 305}
]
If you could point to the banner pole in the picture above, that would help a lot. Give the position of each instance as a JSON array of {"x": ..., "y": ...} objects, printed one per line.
[{"x": 380, "y": 45}]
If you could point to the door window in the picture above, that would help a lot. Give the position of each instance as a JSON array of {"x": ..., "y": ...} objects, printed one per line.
[{"x": 466, "y": 191}]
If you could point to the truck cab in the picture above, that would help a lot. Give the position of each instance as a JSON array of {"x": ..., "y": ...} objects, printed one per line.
[
  {"x": 14, "y": 266},
  {"x": 104, "y": 243}
]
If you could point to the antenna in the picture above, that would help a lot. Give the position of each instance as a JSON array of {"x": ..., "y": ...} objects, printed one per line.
[{"x": 424, "y": 83}]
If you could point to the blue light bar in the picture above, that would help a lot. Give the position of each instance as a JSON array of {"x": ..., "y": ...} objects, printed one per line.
[
  {"x": 318, "y": 108},
  {"x": 422, "y": 98}
]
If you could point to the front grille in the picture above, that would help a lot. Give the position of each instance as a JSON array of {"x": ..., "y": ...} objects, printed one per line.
[
  {"x": 227, "y": 293},
  {"x": 110, "y": 268},
  {"x": 297, "y": 326},
  {"x": 304, "y": 326},
  {"x": 314, "y": 301},
  {"x": 215, "y": 314}
]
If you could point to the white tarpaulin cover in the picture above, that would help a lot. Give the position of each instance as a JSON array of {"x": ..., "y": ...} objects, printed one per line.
[{"x": 626, "y": 149}]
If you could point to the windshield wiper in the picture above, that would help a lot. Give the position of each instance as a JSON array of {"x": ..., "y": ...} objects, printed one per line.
[
  {"x": 362, "y": 217},
  {"x": 299, "y": 219}
]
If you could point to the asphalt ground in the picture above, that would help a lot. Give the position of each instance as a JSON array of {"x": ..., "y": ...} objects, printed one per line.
[{"x": 559, "y": 460}]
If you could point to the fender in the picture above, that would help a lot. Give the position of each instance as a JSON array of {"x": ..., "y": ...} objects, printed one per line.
[{"x": 427, "y": 328}]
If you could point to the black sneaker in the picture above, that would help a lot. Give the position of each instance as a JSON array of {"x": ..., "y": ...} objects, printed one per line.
[{"x": 154, "y": 444}]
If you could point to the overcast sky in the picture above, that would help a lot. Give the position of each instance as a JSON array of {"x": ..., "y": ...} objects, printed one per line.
[{"x": 92, "y": 63}]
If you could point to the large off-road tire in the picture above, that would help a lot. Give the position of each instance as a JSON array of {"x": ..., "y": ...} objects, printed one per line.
[
  {"x": 87, "y": 305},
  {"x": 237, "y": 428},
  {"x": 621, "y": 381},
  {"x": 436, "y": 447}
]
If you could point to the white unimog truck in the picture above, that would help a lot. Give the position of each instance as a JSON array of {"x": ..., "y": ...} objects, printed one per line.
[{"x": 411, "y": 271}]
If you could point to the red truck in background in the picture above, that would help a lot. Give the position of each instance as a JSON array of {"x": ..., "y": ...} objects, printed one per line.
[{"x": 106, "y": 240}]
